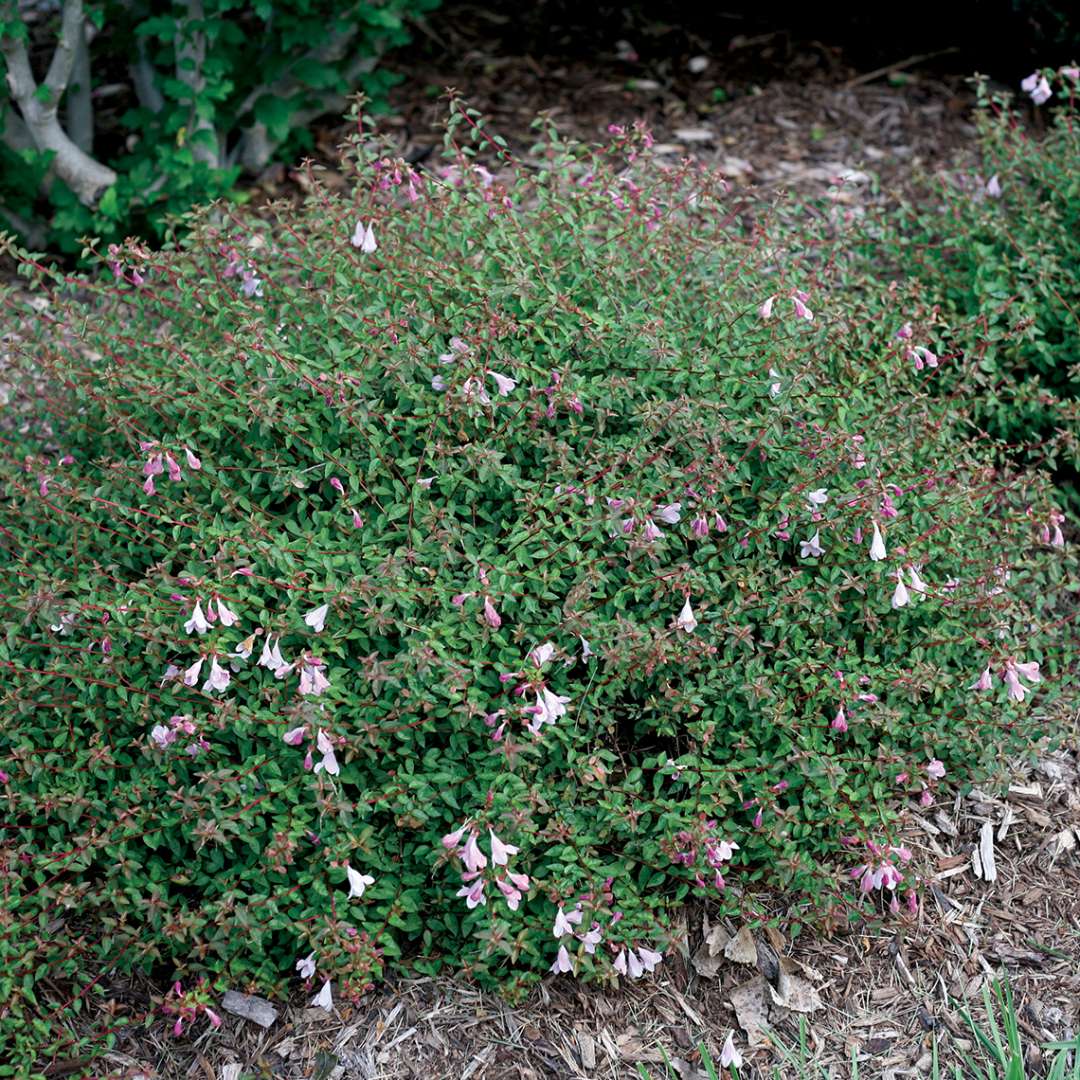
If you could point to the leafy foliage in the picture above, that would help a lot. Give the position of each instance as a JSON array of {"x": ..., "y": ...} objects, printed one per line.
[
  {"x": 208, "y": 89},
  {"x": 541, "y": 503},
  {"x": 1000, "y": 250}
]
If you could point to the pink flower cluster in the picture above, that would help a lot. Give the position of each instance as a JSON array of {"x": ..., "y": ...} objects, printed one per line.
[
  {"x": 704, "y": 850},
  {"x": 187, "y": 1006},
  {"x": 513, "y": 886},
  {"x": 160, "y": 460},
  {"x": 163, "y": 736}
]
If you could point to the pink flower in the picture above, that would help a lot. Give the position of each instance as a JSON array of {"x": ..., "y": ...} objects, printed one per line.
[
  {"x": 197, "y": 624},
  {"x": 840, "y": 721},
  {"x": 474, "y": 894},
  {"x": 1036, "y": 86},
  {"x": 700, "y": 526},
  {"x": 306, "y": 966},
  {"x": 329, "y": 758},
  {"x": 720, "y": 523},
  {"x": 212, "y": 1016},
  {"x": 227, "y": 616},
  {"x": 316, "y": 617},
  {"x": 218, "y": 679},
  {"x": 324, "y": 999},
  {"x": 542, "y": 654},
  {"x": 917, "y": 583},
  {"x": 191, "y": 676},
  {"x": 270, "y": 657},
  {"x": 364, "y": 238},
  {"x": 669, "y": 514},
  {"x": 564, "y": 924},
  {"x": 1030, "y": 671},
  {"x": 193, "y": 462},
  {"x": 900, "y": 597},
  {"x": 549, "y": 707},
  {"x": 451, "y": 840},
  {"x": 592, "y": 938},
  {"x": 993, "y": 187},
  {"x": 500, "y": 852},
  {"x": 563, "y": 963},
  {"x": 620, "y": 962},
  {"x": 295, "y": 736},
  {"x": 649, "y": 959},
  {"x": 521, "y": 881},
  {"x": 174, "y": 470},
  {"x": 904, "y": 333},
  {"x": 357, "y": 520},
  {"x": 492, "y": 617},
  {"x": 357, "y": 882},
  {"x": 473, "y": 858},
  {"x": 730, "y": 1058},
  {"x": 802, "y": 310},
  {"x": 685, "y": 620},
  {"x": 162, "y": 736},
  {"x": 983, "y": 681},
  {"x": 650, "y": 531},
  {"x": 505, "y": 384},
  {"x": 513, "y": 896},
  {"x": 812, "y": 547},
  {"x": 312, "y": 680},
  {"x": 935, "y": 769},
  {"x": 877, "y": 545},
  {"x": 765, "y": 311},
  {"x": 337, "y": 485}
]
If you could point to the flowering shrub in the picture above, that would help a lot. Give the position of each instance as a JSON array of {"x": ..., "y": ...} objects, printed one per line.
[
  {"x": 464, "y": 572},
  {"x": 1000, "y": 250}
]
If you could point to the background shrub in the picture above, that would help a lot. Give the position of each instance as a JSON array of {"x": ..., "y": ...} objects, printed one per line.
[
  {"x": 999, "y": 248},
  {"x": 597, "y": 434},
  {"x": 207, "y": 89}
]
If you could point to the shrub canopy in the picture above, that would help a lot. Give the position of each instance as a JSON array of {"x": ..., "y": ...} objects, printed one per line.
[{"x": 476, "y": 566}]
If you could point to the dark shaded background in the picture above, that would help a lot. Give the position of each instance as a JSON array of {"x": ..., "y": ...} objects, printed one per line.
[{"x": 1005, "y": 39}]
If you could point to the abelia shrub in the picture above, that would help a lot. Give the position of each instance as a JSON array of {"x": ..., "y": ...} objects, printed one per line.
[{"x": 464, "y": 572}]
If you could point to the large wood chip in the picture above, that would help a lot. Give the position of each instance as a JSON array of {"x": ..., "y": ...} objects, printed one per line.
[
  {"x": 794, "y": 992},
  {"x": 986, "y": 852},
  {"x": 741, "y": 947},
  {"x": 750, "y": 1002},
  {"x": 250, "y": 1007}
]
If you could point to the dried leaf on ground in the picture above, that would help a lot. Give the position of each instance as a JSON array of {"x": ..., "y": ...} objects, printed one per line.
[
  {"x": 750, "y": 1002},
  {"x": 741, "y": 947}
]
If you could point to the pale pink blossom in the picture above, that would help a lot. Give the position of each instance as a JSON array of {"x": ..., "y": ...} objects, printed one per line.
[
  {"x": 564, "y": 924},
  {"x": 474, "y": 894},
  {"x": 491, "y": 616},
  {"x": 685, "y": 620},
  {"x": 192, "y": 459},
  {"x": 357, "y": 520},
  {"x": 817, "y": 498},
  {"x": 649, "y": 959},
  {"x": 586, "y": 649},
  {"x": 877, "y": 545},
  {"x": 1029, "y": 670},
  {"x": 306, "y": 966},
  {"x": 900, "y": 595},
  {"x": 650, "y": 531},
  {"x": 591, "y": 938},
  {"x": 473, "y": 858},
  {"x": 316, "y": 617},
  {"x": 364, "y": 238},
  {"x": 452, "y": 839},
  {"x": 563, "y": 963},
  {"x": 802, "y": 310},
  {"x": 174, "y": 469},
  {"x": 917, "y": 583},
  {"x": 191, "y": 676},
  {"x": 357, "y": 882},
  {"x": 765, "y": 311},
  {"x": 244, "y": 650},
  {"x": 329, "y": 757},
  {"x": 295, "y": 736},
  {"x": 197, "y": 624},
  {"x": 983, "y": 681},
  {"x": 840, "y": 721},
  {"x": 776, "y": 386},
  {"x": 270, "y": 657},
  {"x": 549, "y": 707},
  {"x": 730, "y": 1058},
  {"x": 162, "y": 736},
  {"x": 1037, "y": 87},
  {"x": 512, "y": 895},
  {"x": 312, "y": 679},
  {"x": 669, "y": 514},
  {"x": 218, "y": 679},
  {"x": 935, "y": 770},
  {"x": 324, "y": 999},
  {"x": 542, "y": 654},
  {"x": 993, "y": 187},
  {"x": 500, "y": 852},
  {"x": 1017, "y": 689},
  {"x": 227, "y": 616},
  {"x": 505, "y": 384},
  {"x": 812, "y": 547}
]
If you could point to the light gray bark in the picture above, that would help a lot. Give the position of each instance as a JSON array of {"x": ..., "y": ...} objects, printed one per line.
[{"x": 88, "y": 178}]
